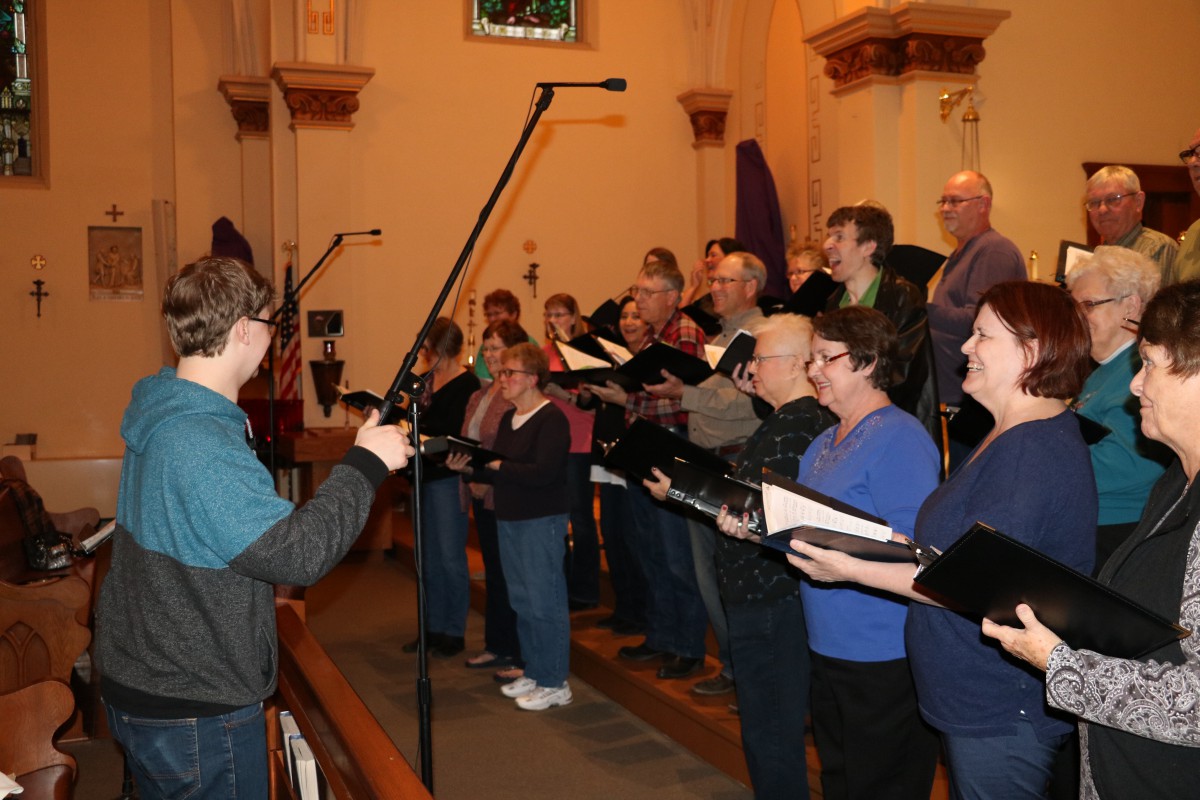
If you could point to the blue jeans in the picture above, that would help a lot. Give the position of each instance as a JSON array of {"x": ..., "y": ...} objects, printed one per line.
[
  {"x": 624, "y": 567},
  {"x": 532, "y": 553},
  {"x": 446, "y": 579},
  {"x": 770, "y": 645},
  {"x": 198, "y": 758},
  {"x": 703, "y": 536},
  {"x": 1017, "y": 766},
  {"x": 675, "y": 618},
  {"x": 499, "y": 620},
  {"x": 583, "y": 559}
]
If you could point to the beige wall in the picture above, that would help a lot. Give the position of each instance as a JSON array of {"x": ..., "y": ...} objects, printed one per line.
[{"x": 605, "y": 176}]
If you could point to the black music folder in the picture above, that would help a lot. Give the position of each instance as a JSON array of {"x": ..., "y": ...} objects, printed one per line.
[
  {"x": 737, "y": 353},
  {"x": 645, "y": 367},
  {"x": 647, "y": 445},
  {"x": 439, "y": 448},
  {"x": 988, "y": 574},
  {"x": 364, "y": 400},
  {"x": 706, "y": 491},
  {"x": 704, "y": 319},
  {"x": 854, "y": 544}
]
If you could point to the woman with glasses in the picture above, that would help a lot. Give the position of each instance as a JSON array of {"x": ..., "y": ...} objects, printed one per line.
[
  {"x": 563, "y": 323},
  {"x": 485, "y": 409},
  {"x": 869, "y": 734},
  {"x": 1030, "y": 478},
  {"x": 531, "y": 516},
  {"x": 809, "y": 284},
  {"x": 1113, "y": 286}
]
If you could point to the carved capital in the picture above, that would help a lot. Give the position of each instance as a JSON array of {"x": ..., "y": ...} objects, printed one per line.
[
  {"x": 706, "y": 108},
  {"x": 249, "y": 101},
  {"x": 877, "y": 45},
  {"x": 321, "y": 95}
]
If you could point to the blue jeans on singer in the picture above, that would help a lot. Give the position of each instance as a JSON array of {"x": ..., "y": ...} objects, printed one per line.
[
  {"x": 532, "y": 553},
  {"x": 202, "y": 758},
  {"x": 446, "y": 580}
]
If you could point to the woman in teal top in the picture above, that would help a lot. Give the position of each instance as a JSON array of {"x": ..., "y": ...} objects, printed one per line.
[{"x": 1113, "y": 287}]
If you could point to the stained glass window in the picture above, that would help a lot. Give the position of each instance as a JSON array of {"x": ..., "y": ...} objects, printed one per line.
[
  {"x": 545, "y": 20},
  {"x": 16, "y": 90}
]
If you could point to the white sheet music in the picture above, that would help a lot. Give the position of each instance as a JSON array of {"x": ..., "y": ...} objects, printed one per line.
[
  {"x": 784, "y": 510},
  {"x": 713, "y": 353},
  {"x": 619, "y": 353},
  {"x": 577, "y": 359}
]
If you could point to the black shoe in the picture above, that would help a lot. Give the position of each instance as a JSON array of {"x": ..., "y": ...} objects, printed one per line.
[
  {"x": 448, "y": 647},
  {"x": 608, "y": 622},
  {"x": 432, "y": 640},
  {"x": 710, "y": 687},
  {"x": 642, "y": 652},
  {"x": 623, "y": 628},
  {"x": 580, "y": 605},
  {"x": 680, "y": 667}
]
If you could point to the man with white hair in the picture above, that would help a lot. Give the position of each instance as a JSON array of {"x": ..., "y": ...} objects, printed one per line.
[{"x": 1114, "y": 207}]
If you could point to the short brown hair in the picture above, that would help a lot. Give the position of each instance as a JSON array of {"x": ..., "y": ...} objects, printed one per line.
[
  {"x": 564, "y": 300},
  {"x": 1039, "y": 312},
  {"x": 503, "y": 299},
  {"x": 203, "y": 300},
  {"x": 873, "y": 225},
  {"x": 531, "y": 358},
  {"x": 506, "y": 331},
  {"x": 661, "y": 254},
  {"x": 445, "y": 339},
  {"x": 1172, "y": 321},
  {"x": 868, "y": 335}
]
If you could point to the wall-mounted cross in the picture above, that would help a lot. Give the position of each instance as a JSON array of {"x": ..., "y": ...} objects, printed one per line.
[
  {"x": 38, "y": 262},
  {"x": 114, "y": 213},
  {"x": 39, "y": 294},
  {"x": 531, "y": 277}
]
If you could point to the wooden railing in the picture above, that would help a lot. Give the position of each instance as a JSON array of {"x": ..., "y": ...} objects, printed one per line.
[{"x": 355, "y": 754}]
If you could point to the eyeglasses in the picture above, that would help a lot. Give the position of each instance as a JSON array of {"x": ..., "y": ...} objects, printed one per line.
[
  {"x": 1187, "y": 155},
  {"x": 1088, "y": 305},
  {"x": 508, "y": 373},
  {"x": 556, "y": 314},
  {"x": 825, "y": 361},
  {"x": 954, "y": 202},
  {"x": 1110, "y": 202},
  {"x": 727, "y": 281},
  {"x": 638, "y": 291},
  {"x": 757, "y": 360},
  {"x": 270, "y": 323}
]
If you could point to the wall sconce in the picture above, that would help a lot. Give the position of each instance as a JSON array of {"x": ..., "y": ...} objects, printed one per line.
[
  {"x": 327, "y": 375},
  {"x": 947, "y": 102}
]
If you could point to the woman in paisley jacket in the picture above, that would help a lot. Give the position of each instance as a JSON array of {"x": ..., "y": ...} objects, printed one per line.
[{"x": 1140, "y": 718}]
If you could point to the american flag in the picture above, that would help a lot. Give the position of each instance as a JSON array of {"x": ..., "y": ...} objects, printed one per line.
[{"x": 289, "y": 342}]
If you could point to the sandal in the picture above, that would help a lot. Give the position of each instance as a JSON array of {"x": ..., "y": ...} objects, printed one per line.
[{"x": 508, "y": 675}]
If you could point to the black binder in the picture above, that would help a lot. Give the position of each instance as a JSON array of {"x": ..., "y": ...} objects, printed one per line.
[
  {"x": 988, "y": 574},
  {"x": 364, "y": 400},
  {"x": 645, "y": 367},
  {"x": 849, "y": 543},
  {"x": 737, "y": 353},
  {"x": 647, "y": 445},
  {"x": 706, "y": 491},
  {"x": 439, "y": 448}
]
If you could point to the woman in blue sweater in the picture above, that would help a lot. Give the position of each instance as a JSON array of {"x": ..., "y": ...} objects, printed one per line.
[{"x": 1030, "y": 478}]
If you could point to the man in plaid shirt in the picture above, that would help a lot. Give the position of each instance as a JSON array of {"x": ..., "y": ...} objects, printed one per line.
[{"x": 676, "y": 621}]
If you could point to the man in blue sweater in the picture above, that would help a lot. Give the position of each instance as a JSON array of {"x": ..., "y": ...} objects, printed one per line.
[{"x": 185, "y": 627}]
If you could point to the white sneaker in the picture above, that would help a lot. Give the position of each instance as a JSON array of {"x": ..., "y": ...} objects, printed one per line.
[
  {"x": 544, "y": 697},
  {"x": 518, "y": 688}
]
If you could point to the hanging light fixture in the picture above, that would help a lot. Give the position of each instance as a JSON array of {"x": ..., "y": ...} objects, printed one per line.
[{"x": 947, "y": 102}]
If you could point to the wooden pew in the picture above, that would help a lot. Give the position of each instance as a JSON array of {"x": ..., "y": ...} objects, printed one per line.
[
  {"x": 30, "y": 717},
  {"x": 355, "y": 754}
]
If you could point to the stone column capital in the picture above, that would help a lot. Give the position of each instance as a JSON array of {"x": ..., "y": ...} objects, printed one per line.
[
  {"x": 249, "y": 98},
  {"x": 875, "y": 45},
  {"x": 321, "y": 95},
  {"x": 706, "y": 108}
]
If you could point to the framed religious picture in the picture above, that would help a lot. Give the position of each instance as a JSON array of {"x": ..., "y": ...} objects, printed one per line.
[
  {"x": 114, "y": 263},
  {"x": 553, "y": 22}
]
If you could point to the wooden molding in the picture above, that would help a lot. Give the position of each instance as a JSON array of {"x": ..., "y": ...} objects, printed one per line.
[{"x": 321, "y": 95}]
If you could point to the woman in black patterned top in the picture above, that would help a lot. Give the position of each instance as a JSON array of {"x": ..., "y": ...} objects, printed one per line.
[{"x": 761, "y": 592}]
